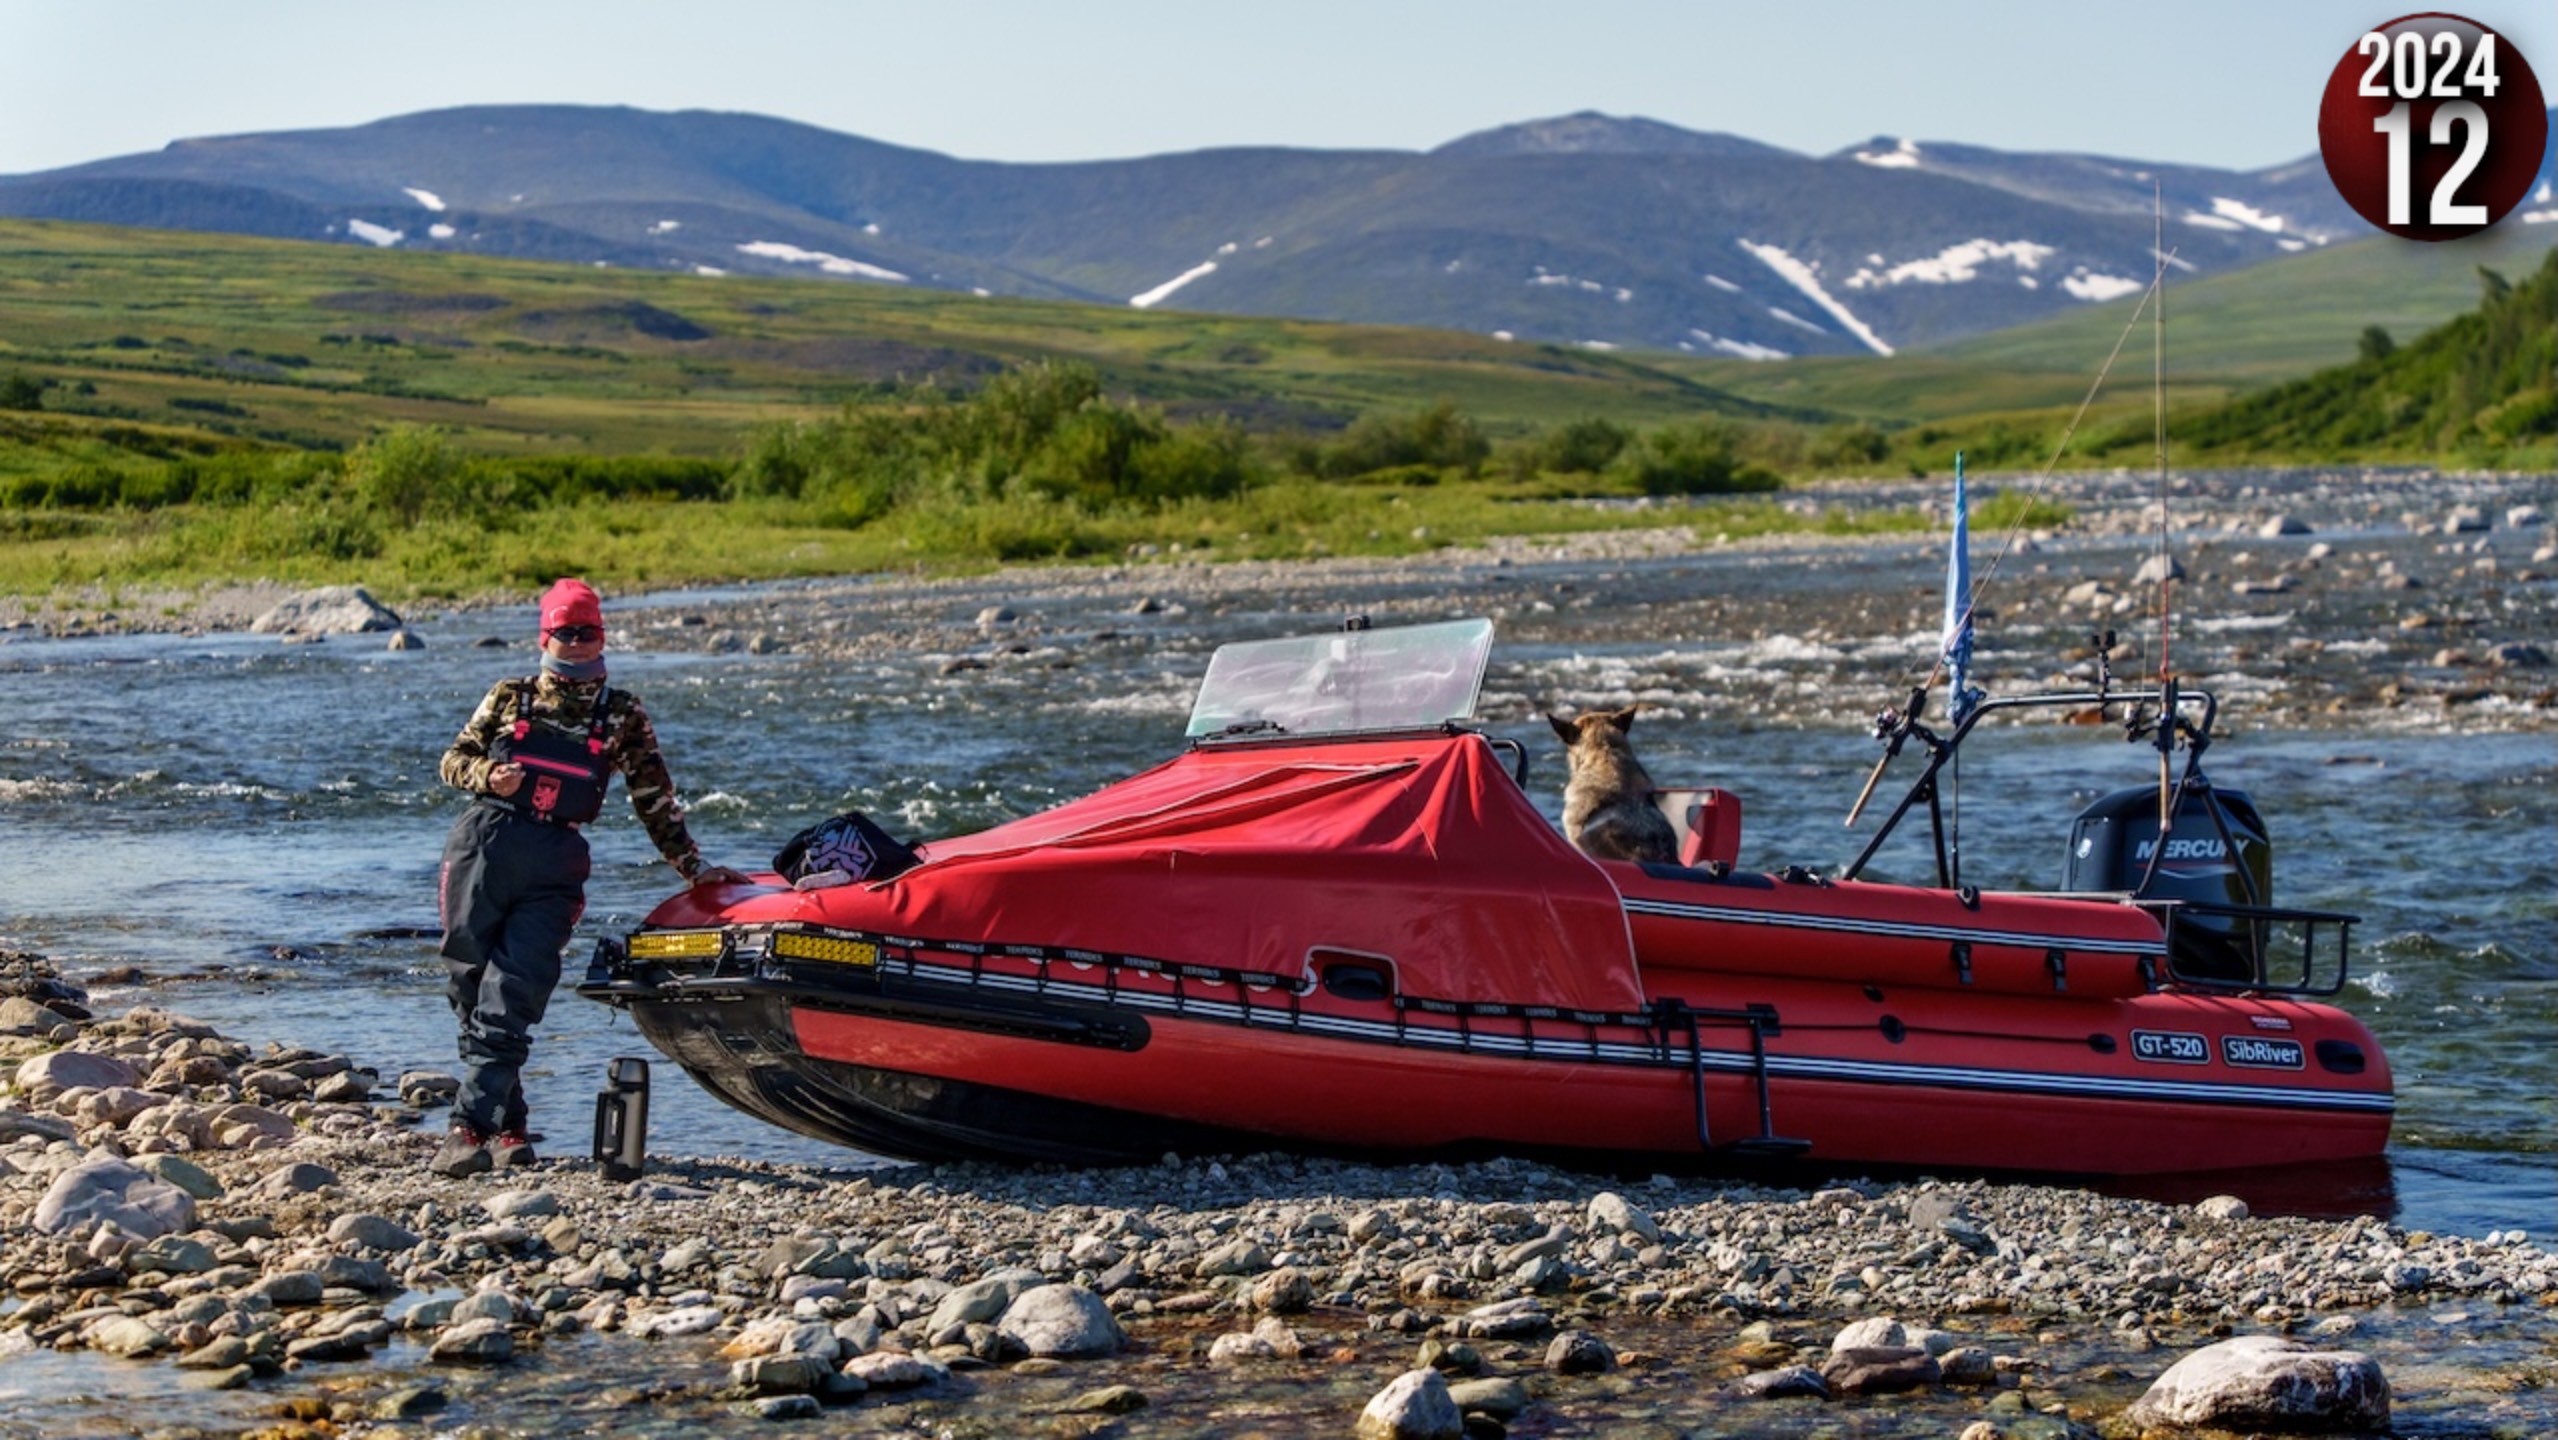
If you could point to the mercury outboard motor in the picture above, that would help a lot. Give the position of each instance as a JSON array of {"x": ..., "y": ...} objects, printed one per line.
[{"x": 2216, "y": 854}]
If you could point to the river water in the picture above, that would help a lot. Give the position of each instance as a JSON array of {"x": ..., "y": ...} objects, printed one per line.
[{"x": 256, "y": 827}]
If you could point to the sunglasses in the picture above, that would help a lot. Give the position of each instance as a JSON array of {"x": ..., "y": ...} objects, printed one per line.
[{"x": 577, "y": 634}]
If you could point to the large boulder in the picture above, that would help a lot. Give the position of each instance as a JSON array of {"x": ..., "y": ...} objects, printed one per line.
[
  {"x": 105, "y": 1188},
  {"x": 2268, "y": 1382},
  {"x": 1415, "y": 1405},
  {"x": 45, "y": 1076},
  {"x": 1063, "y": 1321},
  {"x": 1612, "y": 1214},
  {"x": 329, "y": 610},
  {"x": 983, "y": 1300}
]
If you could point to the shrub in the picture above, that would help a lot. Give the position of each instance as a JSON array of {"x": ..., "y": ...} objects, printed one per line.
[
  {"x": 1043, "y": 430},
  {"x": 1861, "y": 443},
  {"x": 1581, "y": 447},
  {"x": 409, "y": 473},
  {"x": 1699, "y": 458},
  {"x": 1440, "y": 436},
  {"x": 1193, "y": 462}
]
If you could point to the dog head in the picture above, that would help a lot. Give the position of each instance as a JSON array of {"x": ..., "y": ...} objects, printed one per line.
[{"x": 1596, "y": 737}]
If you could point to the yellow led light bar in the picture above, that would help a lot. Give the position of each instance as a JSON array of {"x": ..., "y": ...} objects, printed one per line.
[
  {"x": 796, "y": 945},
  {"x": 675, "y": 945}
]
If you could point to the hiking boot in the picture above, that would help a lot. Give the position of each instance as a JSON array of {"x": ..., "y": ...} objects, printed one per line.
[
  {"x": 465, "y": 1152},
  {"x": 513, "y": 1149}
]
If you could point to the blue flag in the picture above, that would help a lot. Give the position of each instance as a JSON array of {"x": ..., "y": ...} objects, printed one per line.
[{"x": 1961, "y": 698}]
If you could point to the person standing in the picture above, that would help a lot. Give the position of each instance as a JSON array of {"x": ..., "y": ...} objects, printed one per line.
[{"x": 536, "y": 757}]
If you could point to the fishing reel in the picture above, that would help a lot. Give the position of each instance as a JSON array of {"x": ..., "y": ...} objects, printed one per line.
[{"x": 1889, "y": 722}]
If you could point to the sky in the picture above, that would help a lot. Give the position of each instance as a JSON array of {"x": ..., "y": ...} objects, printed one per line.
[{"x": 2229, "y": 83}]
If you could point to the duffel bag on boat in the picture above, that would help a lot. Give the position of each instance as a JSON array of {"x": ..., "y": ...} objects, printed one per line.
[{"x": 842, "y": 849}]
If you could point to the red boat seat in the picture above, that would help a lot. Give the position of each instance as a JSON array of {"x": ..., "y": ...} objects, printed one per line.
[{"x": 1707, "y": 822}]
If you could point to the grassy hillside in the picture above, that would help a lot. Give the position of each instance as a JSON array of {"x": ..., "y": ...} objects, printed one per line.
[
  {"x": 2483, "y": 387},
  {"x": 2278, "y": 321},
  {"x": 317, "y": 346},
  {"x": 2224, "y": 334}
]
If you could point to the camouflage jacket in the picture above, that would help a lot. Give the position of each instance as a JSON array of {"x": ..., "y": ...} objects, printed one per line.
[{"x": 630, "y": 743}]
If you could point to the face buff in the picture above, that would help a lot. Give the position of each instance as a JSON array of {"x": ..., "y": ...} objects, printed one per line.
[{"x": 559, "y": 669}]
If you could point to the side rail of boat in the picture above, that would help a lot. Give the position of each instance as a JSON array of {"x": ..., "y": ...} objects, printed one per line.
[
  {"x": 2091, "y": 946},
  {"x": 2255, "y": 949}
]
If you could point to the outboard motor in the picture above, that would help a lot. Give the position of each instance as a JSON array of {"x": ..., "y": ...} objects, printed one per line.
[{"x": 2216, "y": 853}]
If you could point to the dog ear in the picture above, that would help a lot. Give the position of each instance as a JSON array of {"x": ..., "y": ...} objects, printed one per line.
[
  {"x": 1565, "y": 728},
  {"x": 1623, "y": 719}
]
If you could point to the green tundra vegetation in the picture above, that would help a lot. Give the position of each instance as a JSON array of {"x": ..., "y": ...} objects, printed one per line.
[
  {"x": 184, "y": 409},
  {"x": 2485, "y": 384}
]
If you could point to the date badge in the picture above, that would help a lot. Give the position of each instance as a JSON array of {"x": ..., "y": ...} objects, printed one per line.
[{"x": 2432, "y": 127}]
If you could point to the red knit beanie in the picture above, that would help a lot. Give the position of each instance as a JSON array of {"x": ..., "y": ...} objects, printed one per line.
[{"x": 570, "y": 602}]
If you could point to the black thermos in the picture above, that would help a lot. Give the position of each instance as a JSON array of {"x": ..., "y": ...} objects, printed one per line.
[{"x": 621, "y": 1119}]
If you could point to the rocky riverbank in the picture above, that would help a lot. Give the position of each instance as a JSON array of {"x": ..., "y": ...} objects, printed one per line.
[
  {"x": 2391, "y": 600},
  {"x": 260, "y": 1221}
]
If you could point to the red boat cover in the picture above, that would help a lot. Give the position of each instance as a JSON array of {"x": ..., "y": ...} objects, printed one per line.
[{"x": 1423, "y": 852}]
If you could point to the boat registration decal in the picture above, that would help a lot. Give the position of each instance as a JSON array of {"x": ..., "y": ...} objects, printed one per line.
[
  {"x": 2171, "y": 1047},
  {"x": 2257, "y": 1053}
]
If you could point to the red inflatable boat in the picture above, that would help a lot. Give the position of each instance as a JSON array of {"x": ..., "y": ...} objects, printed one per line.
[{"x": 1337, "y": 923}]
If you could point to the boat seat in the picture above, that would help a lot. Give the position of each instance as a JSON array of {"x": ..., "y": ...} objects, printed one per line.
[{"x": 1707, "y": 822}]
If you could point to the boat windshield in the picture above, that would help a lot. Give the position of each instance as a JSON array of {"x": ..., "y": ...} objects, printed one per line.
[{"x": 1412, "y": 677}]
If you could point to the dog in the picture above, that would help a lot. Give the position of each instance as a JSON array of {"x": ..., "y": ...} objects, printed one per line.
[{"x": 1607, "y": 798}]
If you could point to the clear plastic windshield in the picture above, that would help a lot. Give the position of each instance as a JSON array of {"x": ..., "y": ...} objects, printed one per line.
[{"x": 1412, "y": 677}]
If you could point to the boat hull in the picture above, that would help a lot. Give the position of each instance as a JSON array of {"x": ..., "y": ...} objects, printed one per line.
[{"x": 930, "y": 1063}]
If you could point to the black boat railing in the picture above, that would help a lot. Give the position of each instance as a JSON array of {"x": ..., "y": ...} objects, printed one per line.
[
  {"x": 671, "y": 966},
  {"x": 2255, "y": 949},
  {"x": 1897, "y": 727}
]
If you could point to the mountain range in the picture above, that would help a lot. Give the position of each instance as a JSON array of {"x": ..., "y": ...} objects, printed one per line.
[{"x": 1584, "y": 229}]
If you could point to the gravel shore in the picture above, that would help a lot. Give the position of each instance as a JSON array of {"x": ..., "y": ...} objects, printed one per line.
[{"x": 263, "y": 1221}]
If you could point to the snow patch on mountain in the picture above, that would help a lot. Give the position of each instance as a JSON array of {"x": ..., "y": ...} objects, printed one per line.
[
  {"x": 1804, "y": 278},
  {"x": 1623, "y": 293},
  {"x": 2208, "y": 222},
  {"x": 440, "y": 232},
  {"x": 427, "y": 198},
  {"x": 1953, "y": 265},
  {"x": 1160, "y": 293},
  {"x": 1904, "y": 156},
  {"x": 709, "y": 272},
  {"x": 372, "y": 234},
  {"x": 1719, "y": 283},
  {"x": 1742, "y": 348},
  {"x": 665, "y": 227},
  {"x": 2087, "y": 285},
  {"x": 2247, "y": 215},
  {"x": 1790, "y": 318},
  {"x": 831, "y": 264}
]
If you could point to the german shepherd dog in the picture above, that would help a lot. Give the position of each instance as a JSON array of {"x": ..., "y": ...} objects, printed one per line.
[{"x": 1607, "y": 800}]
